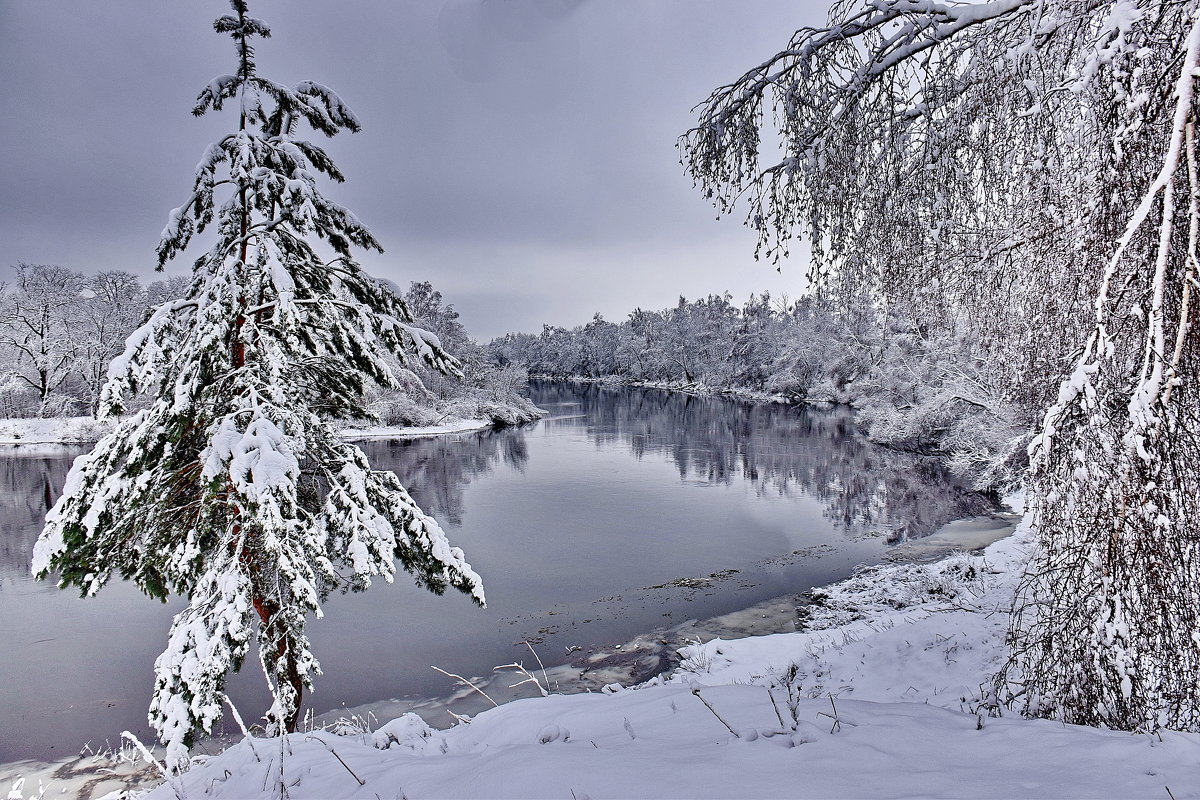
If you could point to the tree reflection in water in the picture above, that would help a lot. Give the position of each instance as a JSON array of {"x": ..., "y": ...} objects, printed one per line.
[
  {"x": 436, "y": 469},
  {"x": 30, "y": 482},
  {"x": 779, "y": 448}
]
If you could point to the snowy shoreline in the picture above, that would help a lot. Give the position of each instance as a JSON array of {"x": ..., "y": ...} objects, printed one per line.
[
  {"x": 21, "y": 433},
  {"x": 52, "y": 430},
  {"x": 417, "y": 432},
  {"x": 880, "y": 695}
]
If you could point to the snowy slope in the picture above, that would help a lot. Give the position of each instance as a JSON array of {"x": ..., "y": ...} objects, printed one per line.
[
  {"x": 56, "y": 430},
  {"x": 86, "y": 430},
  {"x": 911, "y": 647},
  {"x": 664, "y": 743}
]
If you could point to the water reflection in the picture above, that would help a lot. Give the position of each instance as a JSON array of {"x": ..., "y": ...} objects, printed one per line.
[
  {"x": 29, "y": 485},
  {"x": 780, "y": 449},
  {"x": 436, "y": 469}
]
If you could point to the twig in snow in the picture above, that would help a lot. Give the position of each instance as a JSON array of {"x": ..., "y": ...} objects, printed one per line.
[
  {"x": 837, "y": 723},
  {"x": 545, "y": 677},
  {"x": 528, "y": 677},
  {"x": 715, "y": 714},
  {"x": 176, "y": 787},
  {"x": 467, "y": 683},
  {"x": 329, "y": 747},
  {"x": 776, "y": 707},
  {"x": 283, "y": 747},
  {"x": 242, "y": 725}
]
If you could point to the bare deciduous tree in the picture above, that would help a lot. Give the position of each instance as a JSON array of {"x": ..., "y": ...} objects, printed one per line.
[
  {"x": 1021, "y": 172},
  {"x": 113, "y": 305},
  {"x": 39, "y": 324}
]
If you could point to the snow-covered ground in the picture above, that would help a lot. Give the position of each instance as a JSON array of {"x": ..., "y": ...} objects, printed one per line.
[
  {"x": 56, "y": 430},
  {"x": 879, "y": 697},
  {"x": 85, "y": 430}
]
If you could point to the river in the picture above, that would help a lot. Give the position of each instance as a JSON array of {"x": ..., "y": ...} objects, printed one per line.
[{"x": 623, "y": 511}]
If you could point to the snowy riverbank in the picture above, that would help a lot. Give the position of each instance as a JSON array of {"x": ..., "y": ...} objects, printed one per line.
[
  {"x": 86, "y": 430},
  {"x": 55, "y": 430},
  {"x": 878, "y": 697},
  {"x": 414, "y": 432}
]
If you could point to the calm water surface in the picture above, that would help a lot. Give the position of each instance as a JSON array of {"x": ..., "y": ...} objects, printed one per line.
[{"x": 582, "y": 526}]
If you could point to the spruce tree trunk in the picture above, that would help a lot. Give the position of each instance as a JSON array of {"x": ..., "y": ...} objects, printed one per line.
[{"x": 267, "y": 610}]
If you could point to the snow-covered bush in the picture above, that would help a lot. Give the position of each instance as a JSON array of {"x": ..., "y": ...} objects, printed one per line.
[
  {"x": 407, "y": 731},
  {"x": 931, "y": 393},
  {"x": 874, "y": 590}
]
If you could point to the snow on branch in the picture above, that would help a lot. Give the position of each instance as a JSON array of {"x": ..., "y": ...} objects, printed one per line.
[
  {"x": 214, "y": 95},
  {"x": 1016, "y": 170},
  {"x": 1142, "y": 417}
]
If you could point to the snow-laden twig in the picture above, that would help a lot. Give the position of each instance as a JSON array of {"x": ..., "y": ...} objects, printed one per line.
[
  {"x": 242, "y": 726},
  {"x": 728, "y": 727},
  {"x": 149, "y": 758},
  {"x": 467, "y": 683},
  {"x": 329, "y": 747}
]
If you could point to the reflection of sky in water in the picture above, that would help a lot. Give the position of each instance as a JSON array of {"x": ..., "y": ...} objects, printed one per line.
[{"x": 575, "y": 523}]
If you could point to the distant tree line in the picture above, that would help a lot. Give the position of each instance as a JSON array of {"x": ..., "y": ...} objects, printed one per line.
[
  {"x": 60, "y": 328},
  {"x": 917, "y": 388},
  {"x": 486, "y": 390}
]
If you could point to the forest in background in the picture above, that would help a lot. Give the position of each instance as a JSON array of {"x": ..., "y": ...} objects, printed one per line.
[
  {"x": 60, "y": 329},
  {"x": 939, "y": 391}
]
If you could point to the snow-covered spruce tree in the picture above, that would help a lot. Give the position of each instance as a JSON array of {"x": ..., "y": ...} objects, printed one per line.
[
  {"x": 1023, "y": 173},
  {"x": 232, "y": 488}
]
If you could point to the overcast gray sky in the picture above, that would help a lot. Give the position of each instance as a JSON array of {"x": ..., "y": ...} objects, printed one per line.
[{"x": 519, "y": 154}]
